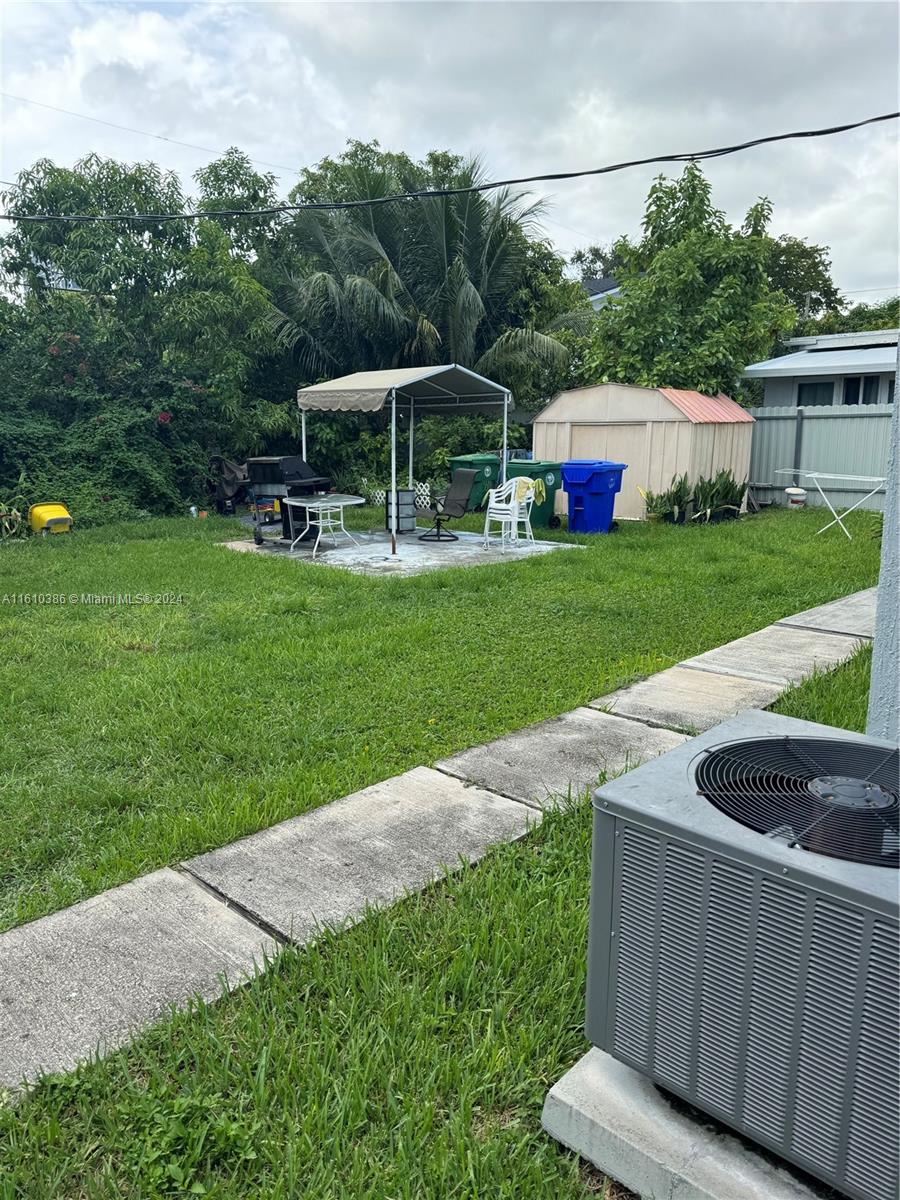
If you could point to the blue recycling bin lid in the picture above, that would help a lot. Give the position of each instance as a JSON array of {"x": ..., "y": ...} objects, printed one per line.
[{"x": 583, "y": 470}]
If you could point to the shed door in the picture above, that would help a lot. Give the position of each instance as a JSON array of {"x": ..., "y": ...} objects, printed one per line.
[{"x": 618, "y": 443}]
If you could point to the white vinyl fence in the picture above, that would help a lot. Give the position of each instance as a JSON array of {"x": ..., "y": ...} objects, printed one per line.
[{"x": 836, "y": 441}]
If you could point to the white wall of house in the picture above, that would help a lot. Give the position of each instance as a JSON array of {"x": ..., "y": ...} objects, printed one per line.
[{"x": 784, "y": 392}]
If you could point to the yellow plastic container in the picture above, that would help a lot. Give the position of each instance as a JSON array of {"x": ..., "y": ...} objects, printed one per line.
[{"x": 49, "y": 518}]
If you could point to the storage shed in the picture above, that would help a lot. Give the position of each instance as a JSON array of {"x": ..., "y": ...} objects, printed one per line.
[{"x": 658, "y": 432}]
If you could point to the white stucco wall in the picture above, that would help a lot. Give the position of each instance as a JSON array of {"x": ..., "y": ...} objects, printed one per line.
[
  {"x": 782, "y": 392},
  {"x": 884, "y": 694}
]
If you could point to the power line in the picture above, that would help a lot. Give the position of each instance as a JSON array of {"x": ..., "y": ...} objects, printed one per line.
[
  {"x": 336, "y": 205},
  {"x": 889, "y": 287},
  {"x": 143, "y": 132}
]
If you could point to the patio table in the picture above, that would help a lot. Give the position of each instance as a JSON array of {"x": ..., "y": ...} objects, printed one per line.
[{"x": 326, "y": 512}]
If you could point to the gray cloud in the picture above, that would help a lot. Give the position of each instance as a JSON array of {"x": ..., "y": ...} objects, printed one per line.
[{"x": 529, "y": 87}]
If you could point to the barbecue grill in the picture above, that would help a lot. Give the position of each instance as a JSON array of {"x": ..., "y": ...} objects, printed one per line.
[{"x": 274, "y": 477}]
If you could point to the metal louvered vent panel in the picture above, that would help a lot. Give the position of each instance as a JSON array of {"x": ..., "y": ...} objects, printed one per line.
[
  {"x": 825, "y": 1044},
  {"x": 874, "y": 1119},
  {"x": 741, "y": 992},
  {"x": 724, "y": 982},
  {"x": 773, "y": 997},
  {"x": 677, "y": 972},
  {"x": 827, "y": 1020},
  {"x": 637, "y": 929}
]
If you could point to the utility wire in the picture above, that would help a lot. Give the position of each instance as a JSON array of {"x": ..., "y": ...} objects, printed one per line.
[
  {"x": 336, "y": 205},
  {"x": 143, "y": 132}
]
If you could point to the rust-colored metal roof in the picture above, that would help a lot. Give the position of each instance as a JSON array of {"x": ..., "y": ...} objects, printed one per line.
[{"x": 706, "y": 410}]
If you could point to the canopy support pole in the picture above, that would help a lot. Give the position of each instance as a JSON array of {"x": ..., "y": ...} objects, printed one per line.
[
  {"x": 412, "y": 417},
  {"x": 303, "y": 434},
  {"x": 393, "y": 470},
  {"x": 505, "y": 437}
]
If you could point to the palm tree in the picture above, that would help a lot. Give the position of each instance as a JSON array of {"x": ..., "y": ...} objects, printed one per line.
[{"x": 411, "y": 282}]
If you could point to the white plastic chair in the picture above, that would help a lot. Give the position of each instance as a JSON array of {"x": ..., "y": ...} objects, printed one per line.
[{"x": 510, "y": 506}]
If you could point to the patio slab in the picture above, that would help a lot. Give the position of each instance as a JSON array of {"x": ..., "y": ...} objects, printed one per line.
[
  {"x": 85, "y": 979},
  {"x": 326, "y": 867},
  {"x": 562, "y": 756},
  {"x": 681, "y": 698},
  {"x": 373, "y": 554},
  {"x": 853, "y": 615},
  {"x": 781, "y": 654}
]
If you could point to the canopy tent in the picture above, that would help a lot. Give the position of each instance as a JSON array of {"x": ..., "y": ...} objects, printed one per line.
[{"x": 450, "y": 389}]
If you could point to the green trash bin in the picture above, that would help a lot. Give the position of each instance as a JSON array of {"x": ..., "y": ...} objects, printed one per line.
[
  {"x": 549, "y": 473},
  {"x": 487, "y": 474}
]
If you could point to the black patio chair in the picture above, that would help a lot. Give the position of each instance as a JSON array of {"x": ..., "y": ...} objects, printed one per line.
[{"x": 448, "y": 507}]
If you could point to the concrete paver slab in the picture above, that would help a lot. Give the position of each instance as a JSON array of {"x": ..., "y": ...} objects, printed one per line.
[
  {"x": 854, "y": 615},
  {"x": 543, "y": 762},
  {"x": 617, "y": 1120},
  {"x": 781, "y": 654},
  {"x": 681, "y": 698},
  {"x": 88, "y": 977},
  {"x": 372, "y": 553},
  {"x": 370, "y": 848}
]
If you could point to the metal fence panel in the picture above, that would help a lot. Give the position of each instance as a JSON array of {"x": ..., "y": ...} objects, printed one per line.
[{"x": 838, "y": 441}]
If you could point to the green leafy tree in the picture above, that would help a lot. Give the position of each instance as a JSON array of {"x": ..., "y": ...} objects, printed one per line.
[
  {"x": 91, "y": 419},
  {"x": 860, "y": 318},
  {"x": 696, "y": 303},
  {"x": 454, "y": 279},
  {"x": 425, "y": 281},
  {"x": 232, "y": 183},
  {"x": 130, "y": 263},
  {"x": 597, "y": 261},
  {"x": 132, "y": 348},
  {"x": 179, "y": 297},
  {"x": 802, "y": 273}
]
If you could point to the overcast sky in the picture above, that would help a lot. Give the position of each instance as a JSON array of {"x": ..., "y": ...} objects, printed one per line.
[{"x": 530, "y": 87}]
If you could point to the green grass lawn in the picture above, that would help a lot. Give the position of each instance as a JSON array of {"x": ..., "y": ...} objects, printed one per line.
[
  {"x": 840, "y": 698},
  {"x": 406, "y": 1059},
  {"x": 138, "y": 735}
]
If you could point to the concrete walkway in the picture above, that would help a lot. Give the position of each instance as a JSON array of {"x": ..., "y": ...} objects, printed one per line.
[{"x": 86, "y": 979}]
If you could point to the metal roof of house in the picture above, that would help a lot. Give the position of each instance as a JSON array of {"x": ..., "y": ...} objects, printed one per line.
[
  {"x": 706, "y": 410},
  {"x": 873, "y": 360},
  {"x": 597, "y": 287},
  {"x": 847, "y": 341}
]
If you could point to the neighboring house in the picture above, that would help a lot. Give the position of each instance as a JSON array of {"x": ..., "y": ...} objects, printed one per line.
[
  {"x": 831, "y": 369},
  {"x": 601, "y": 291}
]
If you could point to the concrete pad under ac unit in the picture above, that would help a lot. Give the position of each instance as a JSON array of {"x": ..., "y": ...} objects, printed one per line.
[{"x": 615, "y": 1118}]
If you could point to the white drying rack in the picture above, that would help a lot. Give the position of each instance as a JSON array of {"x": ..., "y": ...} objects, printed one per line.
[{"x": 815, "y": 476}]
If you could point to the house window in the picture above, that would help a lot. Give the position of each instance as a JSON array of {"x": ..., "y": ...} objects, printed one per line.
[
  {"x": 815, "y": 393},
  {"x": 861, "y": 389}
]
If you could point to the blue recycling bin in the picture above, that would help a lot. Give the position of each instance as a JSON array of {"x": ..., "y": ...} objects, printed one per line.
[{"x": 591, "y": 485}]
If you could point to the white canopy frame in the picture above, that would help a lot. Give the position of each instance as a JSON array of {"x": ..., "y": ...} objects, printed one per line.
[{"x": 449, "y": 389}]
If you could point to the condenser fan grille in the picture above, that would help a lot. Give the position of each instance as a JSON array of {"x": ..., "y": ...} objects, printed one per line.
[{"x": 832, "y": 797}]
